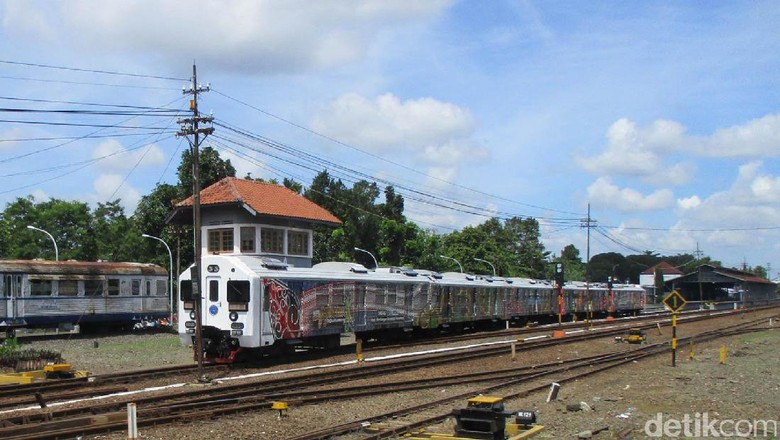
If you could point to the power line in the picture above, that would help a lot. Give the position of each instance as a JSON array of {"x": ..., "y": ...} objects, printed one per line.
[
  {"x": 352, "y": 147},
  {"x": 636, "y": 228},
  {"x": 104, "y": 72}
]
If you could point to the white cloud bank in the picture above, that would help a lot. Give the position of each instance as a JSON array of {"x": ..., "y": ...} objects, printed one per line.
[
  {"x": 646, "y": 151},
  {"x": 239, "y": 35},
  {"x": 610, "y": 195},
  {"x": 386, "y": 123}
]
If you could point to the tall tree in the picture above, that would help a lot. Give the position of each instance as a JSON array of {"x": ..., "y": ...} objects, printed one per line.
[
  {"x": 69, "y": 223},
  {"x": 212, "y": 169},
  {"x": 116, "y": 237},
  {"x": 574, "y": 269}
]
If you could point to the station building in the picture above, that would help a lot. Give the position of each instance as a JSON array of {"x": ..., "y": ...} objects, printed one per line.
[
  {"x": 241, "y": 216},
  {"x": 711, "y": 284}
]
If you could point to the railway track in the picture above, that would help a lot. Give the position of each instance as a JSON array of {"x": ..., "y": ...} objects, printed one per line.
[
  {"x": 15, "y": 395},
  {"x": 208, "y": 402},
  {"x": 567, "y": 372},
  {"x": 57, "y": 388}
]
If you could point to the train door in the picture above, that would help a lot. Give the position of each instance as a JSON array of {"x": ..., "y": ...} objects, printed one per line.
[
  {"x": 360, "y": 304},
  {"x": 13, "y": 293},
  {"x": 11, "y": 312},
  {"x": 213, "y": 307},
  {"x": 266, "y": 329}
]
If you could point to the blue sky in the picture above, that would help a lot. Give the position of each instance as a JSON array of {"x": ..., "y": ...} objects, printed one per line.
[{"x": 661, "y": 115}]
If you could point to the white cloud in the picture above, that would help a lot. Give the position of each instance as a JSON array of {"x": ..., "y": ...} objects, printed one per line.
[
  {"x": 244, "y": 166},
  {"x": 608, "y": 195},
  {"x": 113, "y": 156},
  {"x": 766, "y": 189},
  {"x": 644, "y": 151},
  {"x": 757, "y": 138},
  {"x": 109, "y": 187},
  {"x": 421, "y": 131},
  {"x": 689, "y": 202},
  {"x": 635, "y": 151},
  {"x": 388, "y": 124},
  {"x": 741, "y": 214},
  {"x": 246, "y": 35},
  {"x": 40, "y": 195}
]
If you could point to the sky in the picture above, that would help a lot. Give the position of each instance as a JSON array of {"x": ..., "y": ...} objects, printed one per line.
[{"x": 661, "y": 117}]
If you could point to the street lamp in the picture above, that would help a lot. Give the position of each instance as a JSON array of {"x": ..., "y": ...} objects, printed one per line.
[
  {"x": 56, "y": 251},
  {"x": 170, "y": 268},
  {"x": 489, "y": 264},
  {"x": 450, "y": 258},
  {"x": 376, "y": 265}
]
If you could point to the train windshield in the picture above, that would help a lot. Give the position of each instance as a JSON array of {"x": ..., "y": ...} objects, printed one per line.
[
  {"x": 238, "y": 295},
  {"x": 185, "y": 290}
]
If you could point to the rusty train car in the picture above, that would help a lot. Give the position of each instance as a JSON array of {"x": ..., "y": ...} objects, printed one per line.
[
  {"x": 94, "y": 295},
  {"x": 256, "y": 304}
]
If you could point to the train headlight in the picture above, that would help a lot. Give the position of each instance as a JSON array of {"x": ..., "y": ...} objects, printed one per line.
[
  {"x": 236, "y": 332},
  {"x": 189, "y": 324},
  {"x": 233, "y": 316},
  {"x": 237, "y": 325},
  {"x": 192, "y": 314}
]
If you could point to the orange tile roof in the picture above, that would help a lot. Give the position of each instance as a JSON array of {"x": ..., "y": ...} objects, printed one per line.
[{"x": 264, "y": 198}]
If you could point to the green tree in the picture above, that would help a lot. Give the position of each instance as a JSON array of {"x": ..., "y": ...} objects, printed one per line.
[
  {"x": 574, "y": 269},
  {"x": 69, "y": 223},
  {"x": 293, "y": 185},
  {"x": 609, "y": 264},
  {"x": 149, "y": 218},
  {"x": 513, "y": 248},
  {"x": 212, "y": 169},
  {"x": 116, "y": 237}
]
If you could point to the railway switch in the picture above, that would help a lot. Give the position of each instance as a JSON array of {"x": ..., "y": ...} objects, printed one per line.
[{"x": 485, "y": 418}]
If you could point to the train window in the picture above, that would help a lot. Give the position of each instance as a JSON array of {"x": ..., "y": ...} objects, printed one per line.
[
  {"x": 238, "y": 295},
  {"x": 93, "y": 288},
  {"x": 391, "y": 295},
  {"x": 298, "y": 243},
  {"x": 220, "y": 240},
  {"x": 185, "y": 290},
  {"x": 40, "y": 288},
  {"x": 148, "y": 287},
  {"x": 213, "y": 290},
  {"x": 238, "y": 291},
  {"x": 248, "y": 239},
  {"x": 162, "y": 288},
  {"x": 272, "y": 240},
  {"x": 113, "y": 286},
  {"x": 7, "y": 286},
  {"x": 68, "y": 288},
  {"x": 135, "y": 287}
]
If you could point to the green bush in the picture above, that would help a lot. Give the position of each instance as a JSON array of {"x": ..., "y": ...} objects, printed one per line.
[{"x": 11, "y": 353}]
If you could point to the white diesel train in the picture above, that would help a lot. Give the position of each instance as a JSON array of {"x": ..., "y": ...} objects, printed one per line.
[{"x": 253, "y": 303}]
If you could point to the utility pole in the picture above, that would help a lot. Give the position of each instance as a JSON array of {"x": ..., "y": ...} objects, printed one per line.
[
  {"x": 699, "y": 254},
  {"x": 588, "y": 223},
  {"x": 190, "y": 127}
]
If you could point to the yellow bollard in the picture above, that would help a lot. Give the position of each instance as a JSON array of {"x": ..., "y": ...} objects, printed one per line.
[
  {"x": 691, "y": 353},
  {"x": 723, "y": 354}
]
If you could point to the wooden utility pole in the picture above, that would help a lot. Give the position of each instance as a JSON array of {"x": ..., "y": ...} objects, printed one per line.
[
  {"x": 588, "y": 223},
  {"x": 191, "y": 127}
]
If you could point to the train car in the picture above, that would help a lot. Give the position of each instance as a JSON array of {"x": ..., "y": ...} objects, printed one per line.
[
  {"x": 94, "y": 295},
  {"x": 252, "y": 303}
]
